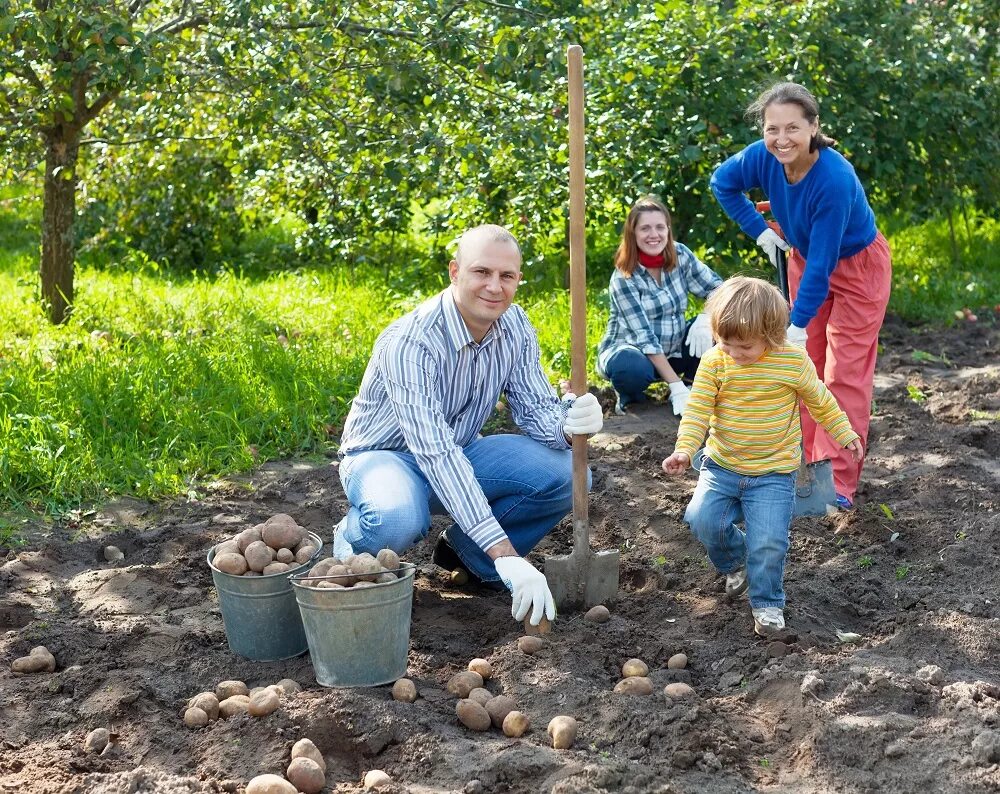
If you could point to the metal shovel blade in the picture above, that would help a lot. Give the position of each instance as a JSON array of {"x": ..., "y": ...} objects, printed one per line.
[
  {"x": 583, "y": 577},
  {"x": 814, "y": 490}
]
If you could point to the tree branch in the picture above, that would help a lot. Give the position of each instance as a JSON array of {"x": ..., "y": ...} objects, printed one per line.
[
  {"x": 154, "y": 138},
  {"x": 29, "y": 74},
  {"x": 105, "y": 99},
  {"x": 512, "y": 8},
  {"x": 178, "y": 24}
]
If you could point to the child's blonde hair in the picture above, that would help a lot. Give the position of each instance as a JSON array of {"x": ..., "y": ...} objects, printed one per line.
[{"x": 746, "y": 309}]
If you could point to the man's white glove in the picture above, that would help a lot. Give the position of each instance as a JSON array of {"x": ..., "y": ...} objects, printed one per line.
[
  {"x": 771, "y": 241},
  {"x": 584, "y": 415},
  {"x": 679, "y": 394},
  {"x": 796, "y": 335},
  {"x": 699, "y": 338},
  {"x": 528, "y": 587}
]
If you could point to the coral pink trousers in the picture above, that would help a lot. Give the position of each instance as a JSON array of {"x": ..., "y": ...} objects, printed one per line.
[{"x": 842, "y": 343}]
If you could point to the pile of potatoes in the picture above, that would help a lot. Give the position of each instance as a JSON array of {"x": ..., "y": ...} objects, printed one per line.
[
  {"x": 635, "y": 679},
  {"x": 478, "y": 708},
  {"x": 231, "y": 698},
  {"x": 306, "y": 773},
  {"x": 276, "y": 546},
  {"x": 357, "y": 571}
]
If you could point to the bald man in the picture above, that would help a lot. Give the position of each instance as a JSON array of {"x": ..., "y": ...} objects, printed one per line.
[{"x": 411, "y": 446}]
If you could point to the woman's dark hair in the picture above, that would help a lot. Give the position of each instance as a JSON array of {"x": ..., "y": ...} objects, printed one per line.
[{"x": 790, "y": 94}]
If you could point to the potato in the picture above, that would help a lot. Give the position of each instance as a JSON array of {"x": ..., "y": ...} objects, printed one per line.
[
  {"x": 544, "y": 626},
  {"x": 385, "y": 578},
  {"x": 563, "y": 732},
  {"x": 598, "y": 614},
  {"x": 259, "y": 555},
  {"x": 304, "y": 748},
  {"x": 270, "y": 784},
  {"x": 195, "y": 718},
  {"x": 515, "y": 724},
  {"x": 289, "y": 686},
  {"x": 329, "y": 584},
  {"x": 677, "y": 662},
  {"x": 231, "y": 706},
  {"x": 285, "y": 555},
  {"x": 404, "y": 690},
  {"x": 38, "y": 660},
  {"x": 472, "y": 715},
  {"x": 343, "y": 575},
  {"x": 226, "y": 689},
  {"x": 321, "y": 567},
  {"x": 375, "y": 779},
  {"x": 97, "y": 740},
  {"x": 306, "y": 775},
  {"x": 481, "y": 696},
  {"x": 388, "y": 559},
  {"x": 498, "y": 708},
  {"x": 634, "y": 667},
  {"x": 679, "y": 691},
  {"x": 263, "y": 703},
  {"x": 366, "y": 568},
  {"x": 304, "y": 554},
  {"x": 634, "y": 685},
  {"x": 530, "y": 645},
  {"x": 227, "y": 547},
  {"x": 230, "y": 563},
  {"x": 481, "y": 666},
  {"x": 281, "y": 531},
  {"x": 207, "y": 702},
  {"x": 461, "y": 684},
  {"x": 248, "y": 536},
  {"x": 276, "y": 567},
  {"x": 252, "y": 573},
  {"x": 362, "y": 585}
]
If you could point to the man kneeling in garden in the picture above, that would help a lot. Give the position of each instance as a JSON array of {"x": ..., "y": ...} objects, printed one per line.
[{"x": 411, "y": 445}]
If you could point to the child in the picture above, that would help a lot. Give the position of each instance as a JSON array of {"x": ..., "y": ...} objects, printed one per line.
[{"x": 746, "y": 396}]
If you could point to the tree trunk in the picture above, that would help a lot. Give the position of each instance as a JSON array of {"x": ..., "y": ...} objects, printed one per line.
[{"x": 62, "y": 146}]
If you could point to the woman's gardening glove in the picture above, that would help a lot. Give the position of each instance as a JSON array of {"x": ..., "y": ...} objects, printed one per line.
[
  {"x": 699, "y": 338},
  {"x": 770, "y": 241},
  {"x": 679, "y": 394}
]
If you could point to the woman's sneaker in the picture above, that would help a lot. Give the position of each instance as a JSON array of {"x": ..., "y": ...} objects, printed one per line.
[
  {"x": 768, "y": 621},
  {"x": 844, "y": 503},
  {"x": 736, "y": 583}
]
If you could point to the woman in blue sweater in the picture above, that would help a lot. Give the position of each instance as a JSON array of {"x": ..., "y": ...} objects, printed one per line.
[{"x": 839, "y": 268}]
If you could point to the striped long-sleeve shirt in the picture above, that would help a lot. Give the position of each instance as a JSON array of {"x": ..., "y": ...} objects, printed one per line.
[
  {"x": 648, "y": 315},
  {"x": 429, "y": 389},
  {"x": 751, "y": 411}
]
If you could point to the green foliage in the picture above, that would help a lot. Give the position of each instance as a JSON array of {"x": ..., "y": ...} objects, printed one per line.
[
  {"x": 865, "y": 562},
  {"x": 915, "y": 393},
  {"x": 902, "y": 571}
]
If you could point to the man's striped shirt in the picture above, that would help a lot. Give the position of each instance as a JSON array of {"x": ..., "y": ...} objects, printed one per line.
[{"x": 429, "y": 389}]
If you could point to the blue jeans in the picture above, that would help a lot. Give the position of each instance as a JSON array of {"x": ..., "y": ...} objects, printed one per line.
[
  {"x": 631, "y": 372},
  {"x": 528, "y": 485},
  {"x": 764, "y": 504}
]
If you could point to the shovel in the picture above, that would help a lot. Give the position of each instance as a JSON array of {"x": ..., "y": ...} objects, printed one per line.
[
  {"x": 814, "y": 490},
  {"x": 581, "y": 577}
]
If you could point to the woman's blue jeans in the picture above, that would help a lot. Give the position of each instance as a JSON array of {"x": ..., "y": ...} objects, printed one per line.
[
  {"x": 528, "y": 486},
  {"x": 764, "y": 504}
]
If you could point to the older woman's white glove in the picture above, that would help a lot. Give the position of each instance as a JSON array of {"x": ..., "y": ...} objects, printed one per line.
[
  {"x": 584, "y": 415},
  {"x": 699, "y": 338},
  {"x": 771, "y": 241},
  {"x": 796, "y": 335}
]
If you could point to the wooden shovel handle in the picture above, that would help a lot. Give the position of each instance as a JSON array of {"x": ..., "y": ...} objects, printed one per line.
[{"x": 577, "y": 273}]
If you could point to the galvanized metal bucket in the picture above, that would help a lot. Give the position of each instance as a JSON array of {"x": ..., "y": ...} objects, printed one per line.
[
  {"x": 357, "y": 637},
  {"x": 259, "y": 612}
]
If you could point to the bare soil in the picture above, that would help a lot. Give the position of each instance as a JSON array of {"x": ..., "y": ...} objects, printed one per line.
[{"x": 913, "y": 571}]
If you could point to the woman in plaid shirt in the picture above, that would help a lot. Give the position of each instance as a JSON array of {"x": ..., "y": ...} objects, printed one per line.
[{"x": 646, "y": 334}]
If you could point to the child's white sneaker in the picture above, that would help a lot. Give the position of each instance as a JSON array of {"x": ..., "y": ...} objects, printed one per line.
[
  {"x": 768, "y": 621},
  {"x": 736, "y": 583}
]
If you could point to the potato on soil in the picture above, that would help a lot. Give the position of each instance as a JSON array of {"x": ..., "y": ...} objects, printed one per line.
[
  {"x": 276, "y": 567},
  {"x": 563, "y": 732},
  {"x": 233, "y": 564},
  {"x": 634, "y": 667},
  {"x": 263, "y": 703},
  {"x": 375, "y": 779},
  {"x": 207, "y": 702},
  {"x": 515, "y": 724},
  {"x": 634, "y": 685},
  {"x": 259, "y": 555},
  {"x": 226, "y": 689},
  {"x": 304, "y": 748},
  {"x": 498, "y": 708},
  {"x": 306, "y": 775},
  {"x": 388, "y": 559},
  {"x": 97, "y": 740},
  {"x": 270, "y": 784},
  {"x": 227, "y": 547},
  {"x": 38, "y": 660},
  {"x": 598, "y": 614},
  {"x": 461, "y": 684},
  {"x": 530, "y": 645},
  {"x": 481, "y": 666},
  {"x": 679, "y": 691},
  {"x": 481, "y": 696},
  {"x": 289, "y": 686},
  {"x": 246, "y": 537},
  {"x": 404, "y": 690},
  {"x": 282, "y": 534},
  {"x": 677, "y": 662},
  {"x": 231, "y": 706},
  {"x": 195, "y": 718},
  {"x": 472, "y": 715}
]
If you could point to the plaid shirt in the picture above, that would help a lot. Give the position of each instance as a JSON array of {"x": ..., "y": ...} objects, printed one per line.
[{"x": 649, "y": 317}]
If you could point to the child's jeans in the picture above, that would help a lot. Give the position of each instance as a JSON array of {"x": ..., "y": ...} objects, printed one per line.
[{"x": 764, "y": 504}]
